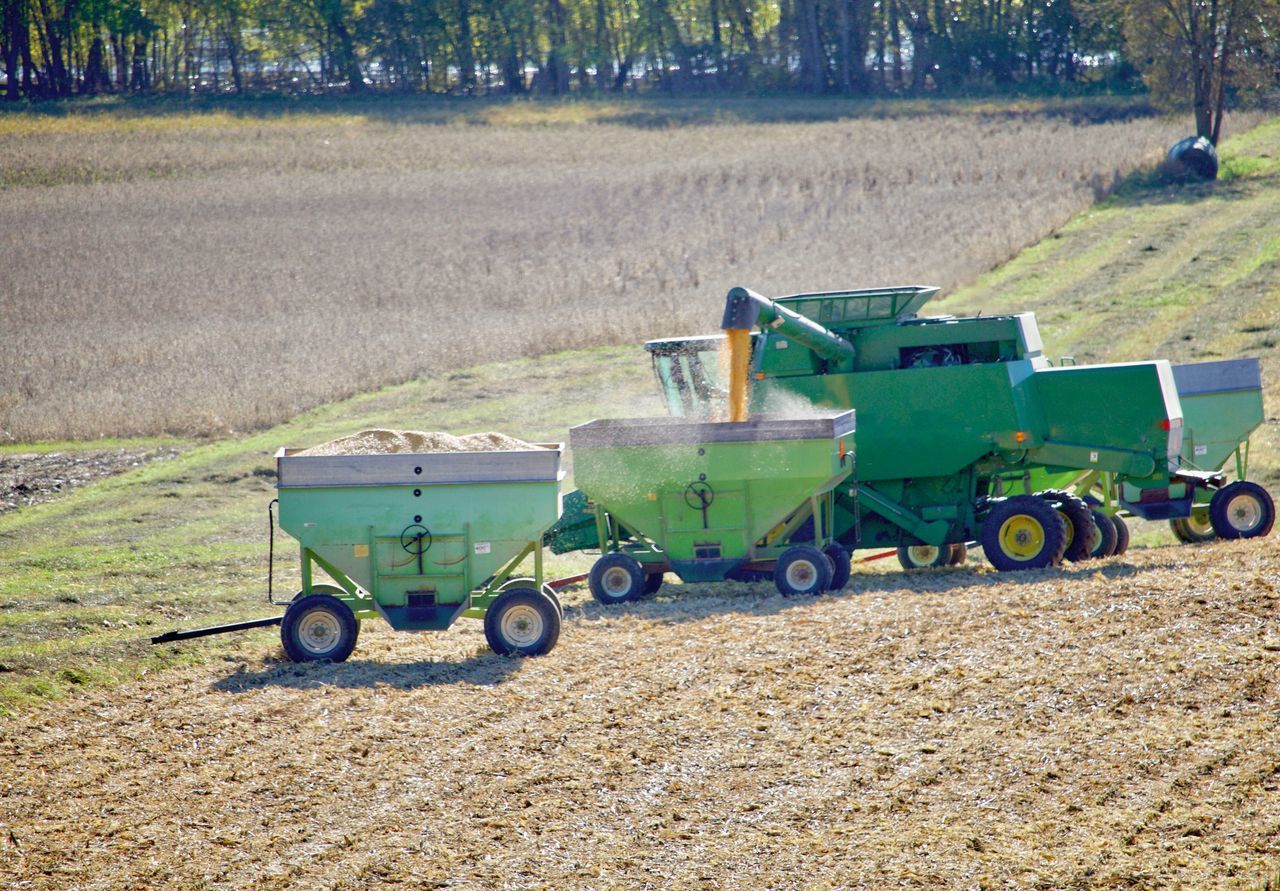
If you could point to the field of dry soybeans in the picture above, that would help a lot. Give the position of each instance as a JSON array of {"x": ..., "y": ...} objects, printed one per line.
[{"x": 211, "y": 273}]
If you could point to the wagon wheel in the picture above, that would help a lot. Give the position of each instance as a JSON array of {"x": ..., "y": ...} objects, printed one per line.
[
  {"x": 842, "y": 561},
  {"x": 616, "y": 578},
  {"x": 522, "y": 622},
  {"x": 802, "y": 569},
  {"x": 1242, "y": 510},
  {"x": 319, "y": 628}
]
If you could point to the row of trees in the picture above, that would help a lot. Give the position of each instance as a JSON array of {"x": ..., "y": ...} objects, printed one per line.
[{"x": 56, "y": 48}]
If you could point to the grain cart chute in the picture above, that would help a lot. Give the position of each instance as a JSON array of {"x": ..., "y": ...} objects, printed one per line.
[
  {"x": 419, "y": 539},
  {"x": 709, "y": 501}
]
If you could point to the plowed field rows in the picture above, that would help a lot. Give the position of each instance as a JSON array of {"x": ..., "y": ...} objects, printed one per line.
[{"x": 1110, "y": 724}]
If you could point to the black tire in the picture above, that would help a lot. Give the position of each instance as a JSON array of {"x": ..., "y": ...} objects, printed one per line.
[
  {"x": 1242, "y": 510},
  {"x": 923, "y": 556},
  {"x": 802, "y": 569},
  {"x": 1194, "y": 529},
  {"x": 1023, "y": 532},
  {"x": 959, "y": 554},
  {"x": 842, "y": 563},
  {"x": 1082, "y": 534},
  {"x": 530, "y": 582},
  {"x": 616, "y": 578},
  {"x": 1106, "y": 545},
  {"x": 1122, "y": 534},
  {"x": 319, "y": 628},
  {"x": 522, "y": 622},
  {"x": 652, "y": 582}
]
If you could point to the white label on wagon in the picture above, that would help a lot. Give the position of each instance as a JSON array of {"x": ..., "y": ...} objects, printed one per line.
[
  {"x": 482, "y": 547},
  {"x": 1202, "y": 450},
  {"x": 1093, "y": 457}
]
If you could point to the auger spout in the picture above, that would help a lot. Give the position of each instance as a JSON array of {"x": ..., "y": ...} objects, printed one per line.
[{"x": 744, "y": 309}]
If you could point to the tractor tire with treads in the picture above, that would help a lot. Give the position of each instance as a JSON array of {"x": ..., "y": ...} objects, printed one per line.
[
  {"x": 1023, "y": 532},
  {"x": 1082, "y": 534},
  {"x": 1122, "y": 534},
  {"x": 1107, "y": 535},
  {"x": 842, "y": 565}
]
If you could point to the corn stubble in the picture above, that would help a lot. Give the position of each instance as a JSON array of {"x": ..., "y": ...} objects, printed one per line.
[
  {"x": 226, "y": 278},
  {"x": 1108, "y": 725}
]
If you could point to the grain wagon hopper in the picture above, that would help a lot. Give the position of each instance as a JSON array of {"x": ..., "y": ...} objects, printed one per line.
[
  {"x": 418, "y": 540},
  {"x": 708, "y": 500},
  {"x": 963, "y": 423}
]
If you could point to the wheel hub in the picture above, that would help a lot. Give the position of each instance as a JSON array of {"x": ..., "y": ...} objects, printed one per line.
[
  {"x": 923, "y": 555},
  {"x": 521, "y": 625},
  {"x": 800, "y": 574},
  {"x": 318, "y": 632},
  {"x": 1244, "y": 513},
  {"x": 616, "y": 581},
  {"x": 1021, "y": 537}
]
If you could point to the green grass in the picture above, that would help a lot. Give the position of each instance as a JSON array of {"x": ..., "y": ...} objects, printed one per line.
[
  {"x": 1188, "y": 272},
  {"x": 183, "y": 543}
]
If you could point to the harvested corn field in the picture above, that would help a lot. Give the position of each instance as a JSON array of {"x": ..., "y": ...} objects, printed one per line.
[
  {"x": 388, "y": 442},
  {"x": 1108, "y": 724}
]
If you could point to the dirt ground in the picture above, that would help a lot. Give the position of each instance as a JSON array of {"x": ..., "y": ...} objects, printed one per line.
[
  {"x": 27, "y": 479},
  {"x": 1110, "y": 724}
]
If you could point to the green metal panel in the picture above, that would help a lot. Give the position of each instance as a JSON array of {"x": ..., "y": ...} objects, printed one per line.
[
  {"x": 916, "y": 422},
  {"x": 1221, "y": 406},
  {"x": 707, "y": 503},
  {"x": 470, "y": 527}
]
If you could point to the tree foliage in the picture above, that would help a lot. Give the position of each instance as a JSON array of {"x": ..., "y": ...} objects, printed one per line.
[
  {"x": 1197, "y": 53},
  {"x": 55, "y": 48}
]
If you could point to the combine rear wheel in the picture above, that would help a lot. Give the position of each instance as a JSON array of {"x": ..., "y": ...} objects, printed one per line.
[
  {"x": 841, "y": 560},
  {"x": 1195, "y": 528},
  {"x": 1023, "y": 532},
  {"x": 802, "y": 569},
  {"x": 616, "y": 578},
  {"x": 1108, "y": 537},
  {"x": 522, "y": 622},
  {"x": 1242, "y": 510},
  {"x": 319, "y": 628},
  {"x": 1122, "y": 534}
]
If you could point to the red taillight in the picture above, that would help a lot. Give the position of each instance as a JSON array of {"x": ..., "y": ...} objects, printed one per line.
[{"x": 1165, "y": 424}]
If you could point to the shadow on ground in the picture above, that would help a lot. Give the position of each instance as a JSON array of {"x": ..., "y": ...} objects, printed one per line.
[{"x": 481, "y": 670}]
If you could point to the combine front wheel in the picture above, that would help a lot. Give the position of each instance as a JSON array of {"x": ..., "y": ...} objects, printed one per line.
[
  {"x": 1108, "y": 537},
  {"x": 1242, "y": 510},
  {"x": 1082, "y": 534},
  {"x": 1023, "y": 532},
  {"x": 1122, "y": 534}
]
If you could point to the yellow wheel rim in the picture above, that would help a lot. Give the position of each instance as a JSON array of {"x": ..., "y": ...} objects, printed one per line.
[
  {"x": 1021, "y": 537},
  {"x": 1199, "y": 523},
  {"x": 1071, "y": 529}
]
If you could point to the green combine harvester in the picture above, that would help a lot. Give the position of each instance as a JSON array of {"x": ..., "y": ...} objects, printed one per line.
[{"x": 966, "y": 431}]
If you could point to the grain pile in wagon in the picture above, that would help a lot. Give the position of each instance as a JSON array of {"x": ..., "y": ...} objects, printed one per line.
[{"x": 386, "y": 442}]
